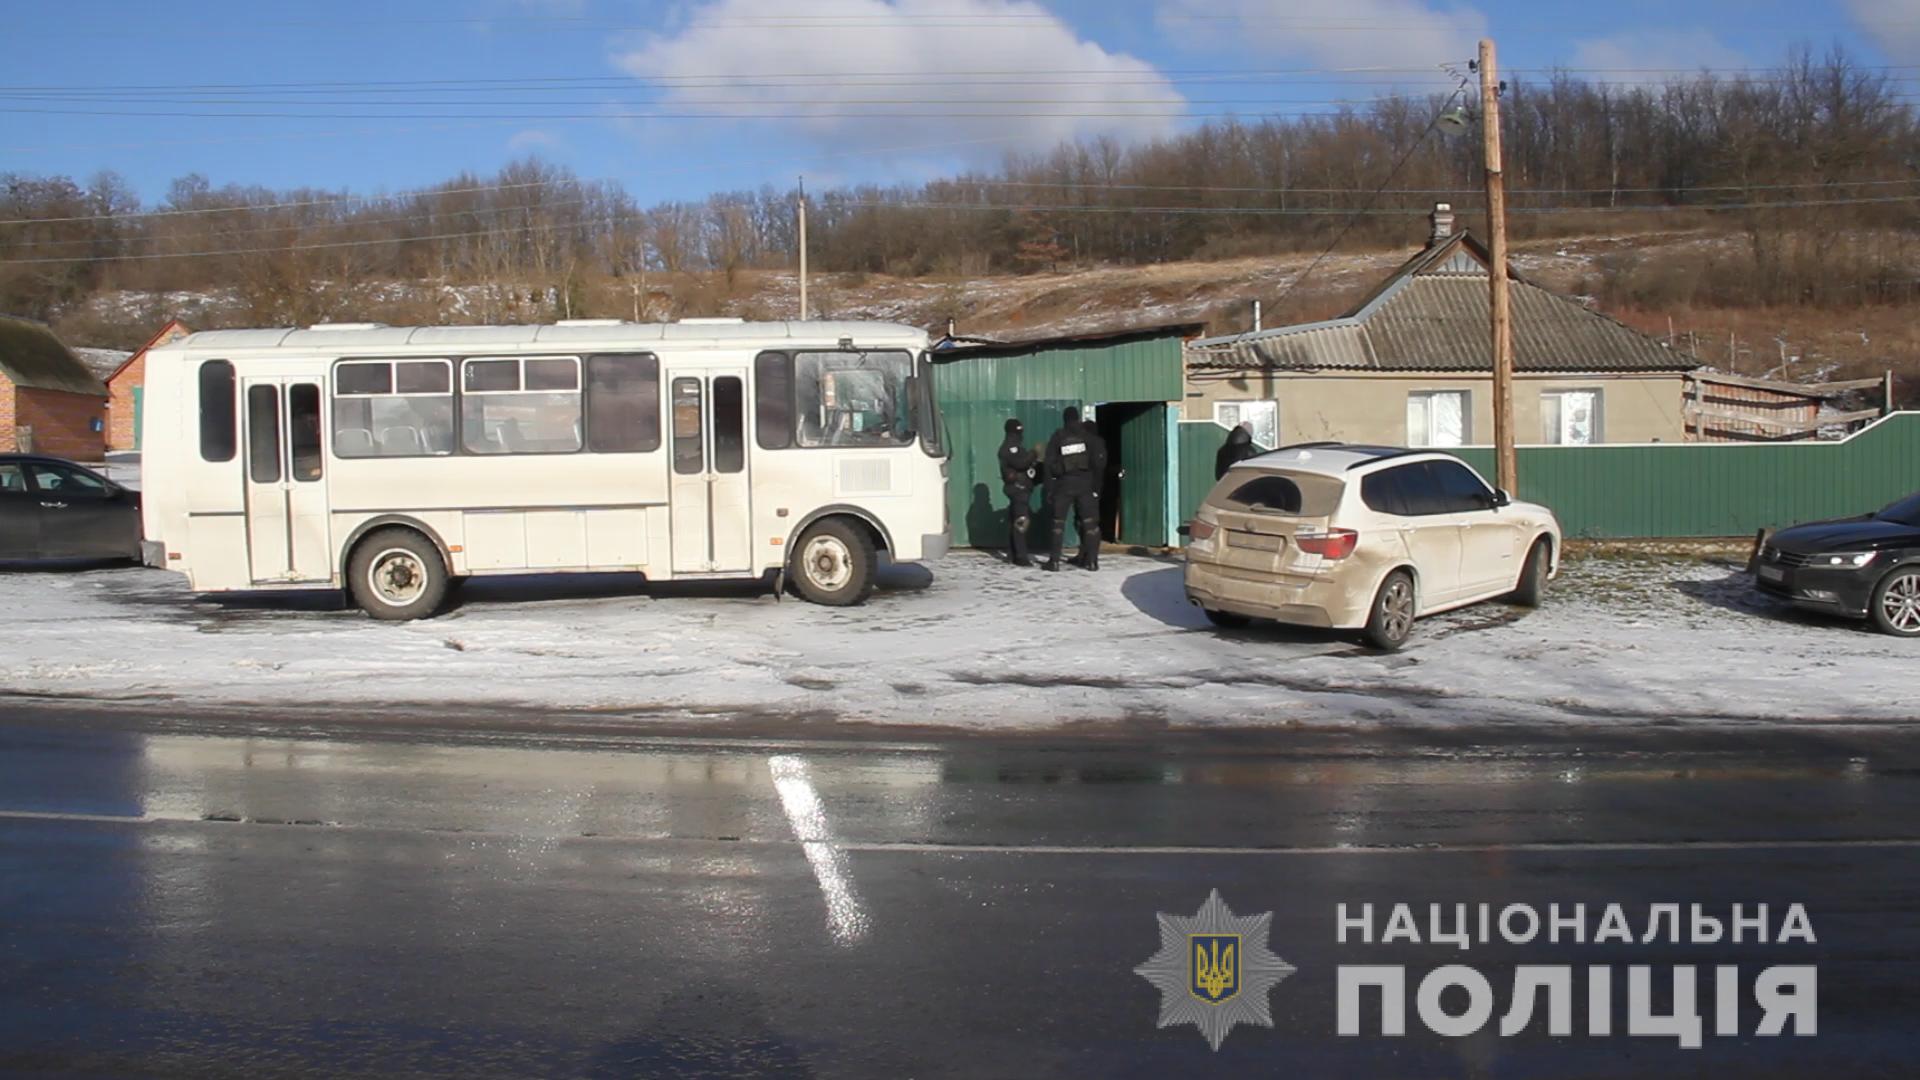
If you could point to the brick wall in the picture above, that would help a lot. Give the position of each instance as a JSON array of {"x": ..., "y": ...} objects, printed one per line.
[
  {"x": 6, "y": 416},
  {"x": 120, "y": 403},
  {"x": 62, "y": 423}
]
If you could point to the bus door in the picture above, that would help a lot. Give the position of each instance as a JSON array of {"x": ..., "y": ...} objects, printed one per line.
[
  {"x": 711, "y": 502},
  {"x": 287, "y": 537}
]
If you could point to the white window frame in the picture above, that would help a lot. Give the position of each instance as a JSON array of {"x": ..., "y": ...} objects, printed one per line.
[
  {"x": 1426, "y": 438},
  {"x": 579, "y": 393},
  {"x": 331, "y": 422},
  {"x": 1596, "y": 427},
  {"x": 1238, "y": 410}
]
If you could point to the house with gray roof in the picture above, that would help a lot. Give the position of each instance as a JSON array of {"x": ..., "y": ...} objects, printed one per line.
[
  {"x": 49, "y": 402},
  {"x": 1412, "y": 365}
]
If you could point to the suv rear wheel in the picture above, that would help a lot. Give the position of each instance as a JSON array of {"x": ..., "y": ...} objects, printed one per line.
[{"x": 1391, "y": 620}]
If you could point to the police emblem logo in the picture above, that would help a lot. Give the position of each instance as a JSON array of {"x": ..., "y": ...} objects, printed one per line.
[
  {"x": 1214, "y": 970},
  {"x": 1216, "y": 966}
]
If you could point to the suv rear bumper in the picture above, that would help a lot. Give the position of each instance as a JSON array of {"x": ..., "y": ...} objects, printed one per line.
[{"x": 1316, "y": 602}]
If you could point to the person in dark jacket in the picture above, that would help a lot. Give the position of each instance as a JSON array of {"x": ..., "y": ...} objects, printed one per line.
[
  {"x": 1018, "y": 466},
  {"x": 1070, "y": 479},
  {"x": 1089, "y": 557},
  {"x": 1239, "y": 447}
]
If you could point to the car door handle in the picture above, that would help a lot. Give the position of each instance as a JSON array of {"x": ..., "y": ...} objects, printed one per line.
[{"x": 54, "y": 505}]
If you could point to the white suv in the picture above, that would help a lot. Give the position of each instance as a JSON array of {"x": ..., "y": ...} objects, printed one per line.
[{"x": 1363, "y": 538}]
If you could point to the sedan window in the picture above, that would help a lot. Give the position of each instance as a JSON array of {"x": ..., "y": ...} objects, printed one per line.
[
  {"x": 12, "y": 479},
  {"x": 63, "y": 480}
]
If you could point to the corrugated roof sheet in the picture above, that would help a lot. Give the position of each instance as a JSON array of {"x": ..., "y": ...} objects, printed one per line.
[
  {"x": 31, "y": 356},
  {"x": 1433, "y": 315}
]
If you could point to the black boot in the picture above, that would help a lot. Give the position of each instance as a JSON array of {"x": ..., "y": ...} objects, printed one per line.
[{"x": 1051, "y": 564}]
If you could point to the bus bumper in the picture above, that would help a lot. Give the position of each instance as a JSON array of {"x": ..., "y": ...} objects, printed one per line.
[{"x": 934, "y": 546}]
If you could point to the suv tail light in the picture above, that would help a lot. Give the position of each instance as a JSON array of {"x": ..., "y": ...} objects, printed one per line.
[
  {"x": 1332, "y": 544},
  {"x": 1201, "y": 530}
]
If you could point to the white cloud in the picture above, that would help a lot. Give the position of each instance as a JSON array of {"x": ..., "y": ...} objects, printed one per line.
[
  {"x": 770, "y": 41},
  {"x": 1652, "y": 56},
  {"x": 534, "y": 139},
  {"x": 1894, "y": 26},
  {"x": 1396, "y": 34}
]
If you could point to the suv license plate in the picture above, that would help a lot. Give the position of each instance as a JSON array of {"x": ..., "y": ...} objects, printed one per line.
[{"x": 1772, "y": 573}]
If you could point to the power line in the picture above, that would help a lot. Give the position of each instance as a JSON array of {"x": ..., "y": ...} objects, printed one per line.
[{"x": 1357, "y": 214}]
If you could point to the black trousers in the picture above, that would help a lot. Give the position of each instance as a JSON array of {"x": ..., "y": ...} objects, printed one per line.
[
  {"x": 1019, "y": 520},
  {"x": 1081, "y": 502}
]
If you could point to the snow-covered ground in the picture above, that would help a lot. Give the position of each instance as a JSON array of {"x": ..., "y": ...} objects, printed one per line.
[{"x": 970, "y": 643}]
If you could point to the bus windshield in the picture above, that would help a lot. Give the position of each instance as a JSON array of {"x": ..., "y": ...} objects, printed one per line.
[{"x": 854, "y": 398}]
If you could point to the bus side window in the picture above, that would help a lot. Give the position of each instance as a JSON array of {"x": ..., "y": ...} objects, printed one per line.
[
  {"x": 729, "y": 425},
  {"x": 623, "y": 403},
  {"x": 217, "y": 420},
  {"x": 303, "y": 430},
  {"x": 263, "y": 434},
  {"x": 689, "y": 457},
  {"x": 773, "y": 400}
]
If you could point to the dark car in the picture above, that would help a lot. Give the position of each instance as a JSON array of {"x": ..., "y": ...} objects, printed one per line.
[
  {"x": 54, "y": 509},
  {"x": 1865, "y": 567}
]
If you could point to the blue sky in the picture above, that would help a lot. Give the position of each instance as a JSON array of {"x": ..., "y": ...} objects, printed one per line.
[{"x": 389, "y": 95}]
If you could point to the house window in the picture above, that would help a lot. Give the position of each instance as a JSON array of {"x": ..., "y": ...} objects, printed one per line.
[
  {"x": 1261, "y": 417},
  {"x": 1438, "y": 418},
  {"x": 1570, "y": 417}
]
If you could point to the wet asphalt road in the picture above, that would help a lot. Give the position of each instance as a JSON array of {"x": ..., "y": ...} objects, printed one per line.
[{"x": 206, "y": 902}]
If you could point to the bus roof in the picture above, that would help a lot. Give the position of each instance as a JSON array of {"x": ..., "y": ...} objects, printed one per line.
[{"x": 358, "y": 336}]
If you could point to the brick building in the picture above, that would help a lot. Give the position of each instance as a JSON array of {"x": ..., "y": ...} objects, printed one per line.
[
  {"x": 124, "y": 387},
  {"x": 49, "y": 402}
]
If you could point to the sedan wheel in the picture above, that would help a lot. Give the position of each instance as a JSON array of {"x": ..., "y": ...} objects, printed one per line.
[{"x": 1896, "y": 603}]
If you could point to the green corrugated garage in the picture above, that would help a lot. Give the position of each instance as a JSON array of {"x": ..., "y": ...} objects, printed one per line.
[{"x": 1131, "y": 378}]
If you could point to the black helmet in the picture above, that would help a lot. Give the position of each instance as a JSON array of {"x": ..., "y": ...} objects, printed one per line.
[
  {"x": 1070, "y": 416},
  {"x": 1014, "y": 426}
]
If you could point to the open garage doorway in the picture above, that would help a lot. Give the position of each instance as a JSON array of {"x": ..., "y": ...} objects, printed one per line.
[{"x": 1133, "y": 493}]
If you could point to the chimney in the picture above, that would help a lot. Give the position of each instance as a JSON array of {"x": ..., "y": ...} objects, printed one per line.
[
  {"x": 1256, "y": 316},
  {"x": 1442, "y": 224}
]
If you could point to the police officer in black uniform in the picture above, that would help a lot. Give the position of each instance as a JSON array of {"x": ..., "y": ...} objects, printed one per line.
[
  {"x": 1070, "y": 479},
  {"x": 1018, "y": 465},
  {"x": 1089, "y": 557}
]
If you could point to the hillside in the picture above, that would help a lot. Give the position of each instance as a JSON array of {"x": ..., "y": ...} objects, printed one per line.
[{"x": 1800, "y": 343}]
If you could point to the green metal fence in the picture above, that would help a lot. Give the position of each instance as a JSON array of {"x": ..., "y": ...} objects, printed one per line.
[
  {"x": 1716, "y": 489},
  {"x": 1674, "y": 490}
]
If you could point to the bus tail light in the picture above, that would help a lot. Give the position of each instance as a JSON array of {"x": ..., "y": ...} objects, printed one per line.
[{"x": 1332, "y": 544}]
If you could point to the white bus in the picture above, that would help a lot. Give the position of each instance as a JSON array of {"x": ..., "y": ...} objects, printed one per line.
[{"x": 391, "y": 461}]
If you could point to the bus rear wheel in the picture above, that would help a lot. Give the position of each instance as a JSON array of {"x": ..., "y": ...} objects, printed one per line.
[
  {"x": 397, "y": 574},
  {"x": 833, "y": 564}
]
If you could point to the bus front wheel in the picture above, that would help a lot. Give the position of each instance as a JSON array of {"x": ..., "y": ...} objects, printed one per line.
[
  {"x": 834, "y": 564},
  {"x": 397, "y": 574}
]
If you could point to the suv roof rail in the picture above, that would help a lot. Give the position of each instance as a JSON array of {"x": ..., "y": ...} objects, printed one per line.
[
  {"x": 1389, "y": 453},
  {"x": 1308, "y": 446}
]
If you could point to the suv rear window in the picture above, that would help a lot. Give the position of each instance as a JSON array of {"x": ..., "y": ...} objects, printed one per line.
[{"x": 1292, "y": 494}]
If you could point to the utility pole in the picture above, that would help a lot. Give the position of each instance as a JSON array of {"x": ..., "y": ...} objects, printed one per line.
[
  {"x": 1506, "y": 462},
  {"x": 803, "y": 249}
]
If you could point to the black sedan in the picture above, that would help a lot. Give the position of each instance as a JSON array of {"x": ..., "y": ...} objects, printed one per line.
[
  {"x": 54, "y": 509},
  {"x": 1866, "y": 567}
]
